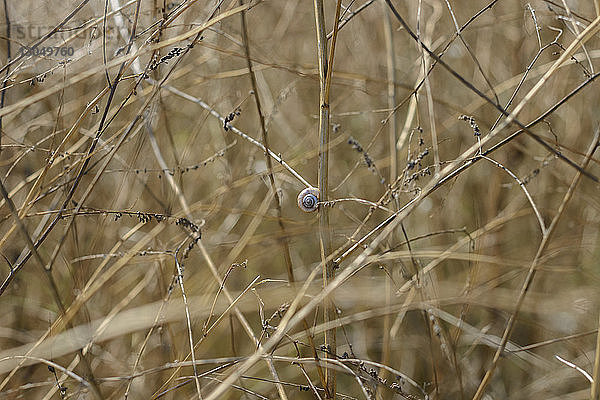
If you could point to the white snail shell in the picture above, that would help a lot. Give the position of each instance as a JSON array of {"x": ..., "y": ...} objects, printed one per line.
[{"x": 308, "y": 199}]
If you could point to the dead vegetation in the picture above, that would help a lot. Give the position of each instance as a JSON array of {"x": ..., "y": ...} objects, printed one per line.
[{"x": 151, "y": 158}]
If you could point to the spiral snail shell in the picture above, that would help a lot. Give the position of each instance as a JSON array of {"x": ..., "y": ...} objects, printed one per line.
[{"x": 308, "y": 199}]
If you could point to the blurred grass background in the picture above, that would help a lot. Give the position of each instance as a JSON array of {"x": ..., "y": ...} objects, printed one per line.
[{"x": 104, "y": 297}]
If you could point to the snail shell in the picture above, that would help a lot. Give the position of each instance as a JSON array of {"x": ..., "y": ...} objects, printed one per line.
[{"x": 308, "y": 199}]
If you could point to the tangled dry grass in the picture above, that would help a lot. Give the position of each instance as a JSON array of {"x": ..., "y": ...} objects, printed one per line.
[{"x": 151, "y": 157}]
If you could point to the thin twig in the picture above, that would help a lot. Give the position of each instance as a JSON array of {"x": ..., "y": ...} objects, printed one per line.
[
  {"x": 575, "y": 367},
  {"x": 285, "y": 246},
  {"x": 522, "y": 185},
  {"x": 275, "y": 156}
]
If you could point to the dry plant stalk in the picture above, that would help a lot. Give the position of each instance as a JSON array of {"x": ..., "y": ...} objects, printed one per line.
[{"x": 325, "y": 75}]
